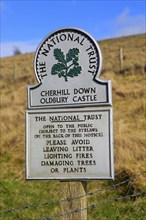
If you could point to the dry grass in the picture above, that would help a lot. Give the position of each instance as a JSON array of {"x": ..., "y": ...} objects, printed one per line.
[{"x": 129, "y": 97}]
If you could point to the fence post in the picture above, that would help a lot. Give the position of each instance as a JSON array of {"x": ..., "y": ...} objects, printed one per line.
[
  {"x": 121, "y": 59},
  {"x": 15, "y": 71},
  {"x": 70, "y": 190}
]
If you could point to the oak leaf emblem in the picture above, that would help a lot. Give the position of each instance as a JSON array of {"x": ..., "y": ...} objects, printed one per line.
[{"x": 68, "y": 65}]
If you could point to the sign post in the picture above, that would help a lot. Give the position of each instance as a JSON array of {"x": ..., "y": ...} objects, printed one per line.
[
  {"x": 72, "y": 206},
  {"x": 69, "y": 122}
]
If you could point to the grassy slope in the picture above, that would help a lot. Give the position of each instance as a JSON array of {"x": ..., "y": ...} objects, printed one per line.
[{"x": 129, "y": 97}]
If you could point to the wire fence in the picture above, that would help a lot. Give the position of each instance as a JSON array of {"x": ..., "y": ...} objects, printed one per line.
[
  {"x": 123, "y": 58},
  {"x": 97, "y": 204},
  {"x": 111, "y": 187}
]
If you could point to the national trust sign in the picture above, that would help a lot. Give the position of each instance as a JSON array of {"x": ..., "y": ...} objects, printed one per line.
[{"x": 69, "y": 121}]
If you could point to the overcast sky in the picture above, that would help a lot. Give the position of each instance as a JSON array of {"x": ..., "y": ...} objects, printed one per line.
[{"x": 25, "y": 23}]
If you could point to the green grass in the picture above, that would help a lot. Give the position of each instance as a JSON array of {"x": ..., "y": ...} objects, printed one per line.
[
  {"x": 18, "y": 194},
  {"x": 125, "y": 210}
]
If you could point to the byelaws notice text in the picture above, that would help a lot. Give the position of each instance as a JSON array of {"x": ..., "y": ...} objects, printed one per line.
[{"x": 69, "y": 144}]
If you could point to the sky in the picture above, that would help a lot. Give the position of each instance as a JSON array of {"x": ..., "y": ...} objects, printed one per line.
[{"x": 25, "y": 23}]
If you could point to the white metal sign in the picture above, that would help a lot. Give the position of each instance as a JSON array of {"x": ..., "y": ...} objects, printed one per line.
[
  {"x": 69, "y": 124},
  {"x": 70, "y": 144},
  {"x": 67, "y": 65}
]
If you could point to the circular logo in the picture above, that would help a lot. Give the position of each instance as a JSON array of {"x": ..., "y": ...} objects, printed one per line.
[{"x": 67, "y": 53}]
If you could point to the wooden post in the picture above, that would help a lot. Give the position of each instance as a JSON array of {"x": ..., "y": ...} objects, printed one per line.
[
  {"x": 121, "y": 59},
  {"x": 14, "y": 72},
  {"x": 70, "y": 190}
]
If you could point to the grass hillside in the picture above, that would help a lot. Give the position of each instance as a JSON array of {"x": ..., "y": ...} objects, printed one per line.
[{"x": 129, "y": 105}]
